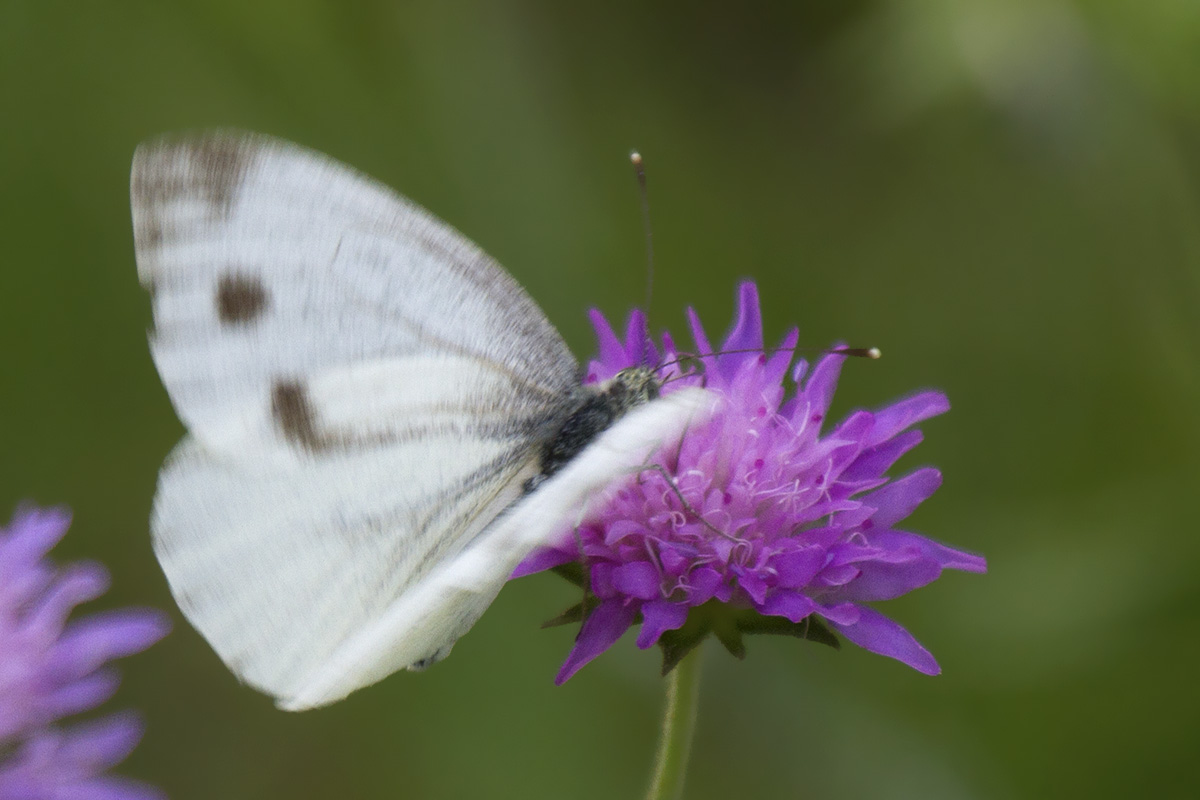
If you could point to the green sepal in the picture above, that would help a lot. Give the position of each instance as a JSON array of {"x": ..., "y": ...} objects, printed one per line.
[
  {"x": 571, "y": 571},
  {"x": 678, "y": 643},
  {"x": 728, "y": 632},
  {"x": 811, "y": 628},
  {"x": 729, "y": 624},
  {"x": 575, "y": 613}
]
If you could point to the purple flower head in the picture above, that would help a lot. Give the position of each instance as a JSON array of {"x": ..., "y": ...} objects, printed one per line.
[
  {"x": 51, "y": 668},
  {"x": 764, "y": 519}
]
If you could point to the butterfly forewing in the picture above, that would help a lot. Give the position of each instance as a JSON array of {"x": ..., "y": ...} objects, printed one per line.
[{"x": 269, "y": 263}]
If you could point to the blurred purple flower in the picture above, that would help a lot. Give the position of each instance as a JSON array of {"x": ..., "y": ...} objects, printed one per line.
[
  {"x": 51, "y": 668},
  {"x": 784, "y": 529}
]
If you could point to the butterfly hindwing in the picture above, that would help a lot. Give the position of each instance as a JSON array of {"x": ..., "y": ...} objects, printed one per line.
[
  {"x": 458, "y": 589},
  {"x": 278, "y": 566}
]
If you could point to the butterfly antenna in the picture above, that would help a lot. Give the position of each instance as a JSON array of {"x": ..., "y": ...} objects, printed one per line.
[
  {"x": 639, "y": 170},
  {"x": 872, "y": 353}
]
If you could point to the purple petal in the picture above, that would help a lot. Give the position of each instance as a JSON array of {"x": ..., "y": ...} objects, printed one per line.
[
  {"x": 777, "y": 364},
  {"x": 751, "y": 583},
  {"x": 704, "y": 349},
  {"x": 818, "y": 510},
  {"x": 621, "y": 528},
  {"x": 852, "y": 552},
  {"x": 674, "y": 563},
  {"x": 33, "y": 531},
  {"x": 668, "y": 345},
  {"x": 639, "y": 347},
  {"x": 818, "y": 391},
  {"x": 847, "y": 440},
  {"x": 881, "y": 580},
  {"x": 875, "y": 461},
  {"x": 75, "y": 584},
  {"x": 743, "y": 377},
  {"x": 746, "y": 333},
  {"x": 601, "y": 575},
  {"x": 600, "y": 630},
  {"x": 877, "y": 633},
  {"x": 900, "y": 498},
  {"x": 798, "y": 567},
  {"x": 80, "y": 695},
  {"x": 791, "y": 605},
  {"x": 659, "y": 616},
  {"x": 103, "y": 743},
  {"x": 22, "y": 583},
  {"x": 852, "y": 518},
  {"x": 724, "y": 592},
  {"x": 854, "y": 428},
  {"x": 638, "y": 579},
  {"x": 824, "y": 537},
  {"x": 838, "y": 574},
  {"x": 612, "y": 351},
  {"x": 60, "y": 758},
  {"x": 947, "y": 557},
  {"x": 542, "y": 559},
  {"x": 702, "y": 585},
  {"x": 843, "y": 613},
  {"x": 898, "y": 416},
  {"x": 89, "y": 642}
]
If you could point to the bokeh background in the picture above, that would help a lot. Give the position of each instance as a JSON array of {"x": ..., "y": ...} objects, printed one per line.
[{"x": 1001, "y": 194}]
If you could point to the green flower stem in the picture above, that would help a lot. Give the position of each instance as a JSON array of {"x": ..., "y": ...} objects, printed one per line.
[{"x": 679, "y": 722}]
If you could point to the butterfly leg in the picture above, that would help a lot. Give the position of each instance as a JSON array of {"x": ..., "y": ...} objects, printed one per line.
[
  {"x": 687, "y": 506},
  {"x": 586, "y": 580}
]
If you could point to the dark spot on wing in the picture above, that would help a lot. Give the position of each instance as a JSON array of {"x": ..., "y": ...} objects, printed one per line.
[
  {"x": 240, "y": 299},
  {"x": 294, "y": 414}
]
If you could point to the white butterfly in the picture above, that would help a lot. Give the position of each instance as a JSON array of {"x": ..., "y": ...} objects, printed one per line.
[{"x": 382, "y": 424}]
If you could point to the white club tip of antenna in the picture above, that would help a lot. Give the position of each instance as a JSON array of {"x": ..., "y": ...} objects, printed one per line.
[
  {"x": 874, "y": 352},
  {"x": 635, "y": 158}
]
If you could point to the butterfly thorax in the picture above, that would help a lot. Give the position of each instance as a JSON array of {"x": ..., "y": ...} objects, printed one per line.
[{"x": 599, "y": 406}]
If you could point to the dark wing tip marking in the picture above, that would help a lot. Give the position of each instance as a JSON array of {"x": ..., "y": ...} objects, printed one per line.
[
  {"x": 219, "y": 164},
  {"x": 211, "y": 166},
  {"x": 240, "y": 299},
  {"x": 294, "y": 414}
]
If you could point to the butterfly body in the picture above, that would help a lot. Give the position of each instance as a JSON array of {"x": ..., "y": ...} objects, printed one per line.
[
  {"x": 597, "y": 408},
  {"x": 381, "y": 422}
]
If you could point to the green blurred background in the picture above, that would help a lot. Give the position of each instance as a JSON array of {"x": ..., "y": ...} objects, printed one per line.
[{"x": 1002, "y": 195}]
